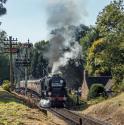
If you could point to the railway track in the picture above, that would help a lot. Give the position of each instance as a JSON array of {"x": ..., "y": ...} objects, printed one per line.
[
  {"x": 71, "y": 117},
  {"x": 63, "y": 113},
  {"x": 75, "y": 119}
]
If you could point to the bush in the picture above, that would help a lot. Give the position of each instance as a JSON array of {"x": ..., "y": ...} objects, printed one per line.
[
  {"x": 96, "y": 100},
  {"x": 122, "y": 87},
  {"x": 74, "y": 100},
  {"x": 6, "y": 85},
  {"x": 118, "y": 87},
  {"x": 96, "y": 90}
]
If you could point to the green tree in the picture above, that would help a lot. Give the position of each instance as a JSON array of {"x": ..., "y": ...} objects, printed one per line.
[
  {"x": 2, "y": 12},
  {"x": 4, "y": 67},
  {"x": 87, "y": 40},
  {"x": 2, "y": 8},
  {"x": 115, "y": 57},
  {"x": 34, "y": 63},
  {"x": 108, "y": 55},
  {"x": 4, "y": 61},
  {"x": 39, "y": 63},
  {"x": 111, "y": 19}
]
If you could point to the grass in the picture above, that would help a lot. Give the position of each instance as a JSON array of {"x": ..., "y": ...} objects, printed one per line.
[
  {"x": 2, "y": 91},
  {"x": 96, "y": 100},
  {"x": 110, "y": 110},
  {"x": 13, "y": 112}
]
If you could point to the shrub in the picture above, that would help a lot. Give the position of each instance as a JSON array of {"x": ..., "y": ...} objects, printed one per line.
[
  {"x": 118, "y": 87},
  {"x": 6, "y": 85},
  {"x": 96, "y": 90},
  {"x": 96, "y": 100},
  {"x": 122, "y": 87}
]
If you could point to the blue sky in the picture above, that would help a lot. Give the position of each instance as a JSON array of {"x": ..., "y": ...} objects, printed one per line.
[{"x": 28, "y": 18}]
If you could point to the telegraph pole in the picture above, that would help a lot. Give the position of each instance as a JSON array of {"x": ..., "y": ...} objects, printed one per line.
[
  {"x": 26, "y": 80},
  {"x": 26, "y": 67},
  {"x": 25, "y": 61},
  {"x": 26, "y": 73},
  {"x": 10, "y": 40}
]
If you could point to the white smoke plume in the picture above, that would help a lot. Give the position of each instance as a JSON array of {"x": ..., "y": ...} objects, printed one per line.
[
  {"x": 62, "y": 14},
  {"x": 74, "y": 53}
]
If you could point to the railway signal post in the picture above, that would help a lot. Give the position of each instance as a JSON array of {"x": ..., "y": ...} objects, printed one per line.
[
  {"x": 24, "y": 61},
  {"x": 11, "y": 40}
]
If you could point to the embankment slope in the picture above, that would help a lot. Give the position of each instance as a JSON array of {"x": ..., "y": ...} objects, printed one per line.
[{"x": 111, "y": 110}]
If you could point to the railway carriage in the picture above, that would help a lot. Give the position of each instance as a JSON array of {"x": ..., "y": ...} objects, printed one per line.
[{"x": 34, "y": 85}]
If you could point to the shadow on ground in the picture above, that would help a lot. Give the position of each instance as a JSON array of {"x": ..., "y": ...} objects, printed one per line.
[{"x": 6, "y": 97}]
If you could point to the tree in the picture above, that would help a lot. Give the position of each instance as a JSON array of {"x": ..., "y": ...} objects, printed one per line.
[
  {"x": 2, "y": 37},
  {"x": 96, "y": 63},
  {"x": 39, "y": 63},
  {"x": 4, "y": 67},
  {"x": 115, "y": 57},
  {"x": 81, "y": 31},
  {"x": 34, "y": 63},
  {"x": 2, "y": 12},
  {"x": 107, "y": 54},
  {"x": 111, "y": 19},
  {"x": 2, "y": 8},
  {"x": 4, "y": 61},
  {"x": 87, "y": 40}
]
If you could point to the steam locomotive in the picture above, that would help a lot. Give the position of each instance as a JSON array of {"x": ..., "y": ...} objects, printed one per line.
[
  {"x": 56, "y": 90},
  {"x": 51, "y": 88}
]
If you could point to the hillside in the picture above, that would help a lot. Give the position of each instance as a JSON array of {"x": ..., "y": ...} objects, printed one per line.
[
  {"x": 111, "y": 110},
  {"x": 13, "y": 112}
]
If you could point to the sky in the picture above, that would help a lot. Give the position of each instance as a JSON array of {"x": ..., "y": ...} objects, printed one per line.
[{"x": 28, "y": 18}]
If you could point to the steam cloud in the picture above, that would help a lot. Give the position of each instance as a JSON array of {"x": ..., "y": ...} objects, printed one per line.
[{"x": 62, "y": 14}]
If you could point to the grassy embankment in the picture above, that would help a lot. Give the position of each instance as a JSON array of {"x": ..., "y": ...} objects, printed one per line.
[
  {"x": 13, "y": 112},
  {"x": 111, "y": 110}
]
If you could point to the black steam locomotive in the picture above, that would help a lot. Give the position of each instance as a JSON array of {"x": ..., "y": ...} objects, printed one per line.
[
  {"x": 51, "y": 88},
  {"x": 55, "y": 90}
]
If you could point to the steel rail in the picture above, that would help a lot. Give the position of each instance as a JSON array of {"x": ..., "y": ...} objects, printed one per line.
[
  {"x": 73, "y": 120},
  {"x": 76, "y": 119}
]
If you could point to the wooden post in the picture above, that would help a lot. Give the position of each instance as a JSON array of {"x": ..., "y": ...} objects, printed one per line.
[
  {"x": 80, "y": 121},
  {"x": 10, "y": 40}
]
